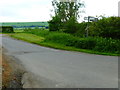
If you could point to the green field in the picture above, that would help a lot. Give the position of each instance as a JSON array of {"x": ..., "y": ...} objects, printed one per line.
[{"x": 25, "y": 24}]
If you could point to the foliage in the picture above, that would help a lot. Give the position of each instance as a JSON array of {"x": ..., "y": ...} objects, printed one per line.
[
  {"x": 71, "y": 26},
  {"x": 6, "y": 29},
  {"x": 54, "y": 24},
  {"x": 99, "y": 44},
  {"x": 38, "y": 32},
  {"x": 85, "y": 43},
  {"x": 61, "y": 38},
  {"x": 91, "y": 43},
  {"x": 66, "y": 10},
  {"x": 66, "y": 14},
  {"x": 81, "y": 30},
  {"x": 107, "y": 45},
  {"x": 106, "y": 27}
]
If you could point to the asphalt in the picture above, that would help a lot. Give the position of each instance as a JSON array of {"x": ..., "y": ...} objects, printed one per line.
[
  {"x": 0, "y": 62},
  {"x": 52, "y": 68}
]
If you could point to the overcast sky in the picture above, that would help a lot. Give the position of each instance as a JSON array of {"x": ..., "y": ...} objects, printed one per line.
[{"x": 40, "y": 10}]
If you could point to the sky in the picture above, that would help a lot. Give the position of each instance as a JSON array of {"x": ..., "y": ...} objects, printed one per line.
[{"x": 40, "y": 10}]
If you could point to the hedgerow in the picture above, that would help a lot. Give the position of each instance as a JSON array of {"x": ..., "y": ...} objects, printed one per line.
[{"x": 92, "y": 43}]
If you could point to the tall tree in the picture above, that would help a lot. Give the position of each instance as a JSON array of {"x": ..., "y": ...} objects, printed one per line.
[{"x": 65, "y": 12}]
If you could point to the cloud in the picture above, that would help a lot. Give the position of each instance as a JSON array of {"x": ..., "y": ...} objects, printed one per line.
[
  {"x": 39, "y": 10},
  {"x": 25, "y": 10},
  {"x": 108, "y": 7}
]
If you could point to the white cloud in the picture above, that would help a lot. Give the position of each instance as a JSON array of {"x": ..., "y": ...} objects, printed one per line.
[
  {"x": 25, "y": 10},
  {"x": 100, "y": 7},
  {"x": 39, "y": 10}
]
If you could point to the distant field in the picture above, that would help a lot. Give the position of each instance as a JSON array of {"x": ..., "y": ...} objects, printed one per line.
[{"x": 25, "y": 24}]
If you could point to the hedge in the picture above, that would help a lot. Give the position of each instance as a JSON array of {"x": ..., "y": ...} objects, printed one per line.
[{"x": 6, "y": 29}]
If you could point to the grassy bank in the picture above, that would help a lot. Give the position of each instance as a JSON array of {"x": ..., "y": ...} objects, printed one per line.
[
  {"x": 58, "y": 40},
  {"x": 28, "y": 37}
]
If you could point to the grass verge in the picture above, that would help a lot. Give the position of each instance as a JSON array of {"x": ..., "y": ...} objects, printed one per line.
[
  {"x": 40, "y": 41},
  {"x": 28, "y": 37}
]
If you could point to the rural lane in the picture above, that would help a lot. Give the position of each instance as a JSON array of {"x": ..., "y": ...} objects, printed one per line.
[{"x": 52, "y": 68}]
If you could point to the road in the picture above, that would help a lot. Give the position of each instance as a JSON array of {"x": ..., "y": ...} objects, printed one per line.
[
  {"x": 0, "y": 62},
  {"x": 54, "y": 68}
]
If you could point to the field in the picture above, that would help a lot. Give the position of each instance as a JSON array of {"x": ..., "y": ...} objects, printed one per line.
[{"x": 25, "y": 24}]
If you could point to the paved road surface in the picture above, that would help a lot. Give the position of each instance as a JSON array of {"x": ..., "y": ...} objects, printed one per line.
[
  {"x": 0, "y": 61},
  {"x": 58, "y": 68}
]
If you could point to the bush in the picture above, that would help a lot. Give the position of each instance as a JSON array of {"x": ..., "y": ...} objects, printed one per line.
[
  {"x": 6, "y": 29},
  {"x": 92, "y": 43},
  {"x": 107, "y": 45},
  {"x": 99, "y": 44},
  {"x": 61, "y": 38},
  {"x": 86, "y": 43},
  {"x": 81, "y": 30},
  {"x": 106, "y": 27},
  {"x": 54, "y": 24},
  {"x": 71, "y": 26},
  {"x": 39, "y": 32}
]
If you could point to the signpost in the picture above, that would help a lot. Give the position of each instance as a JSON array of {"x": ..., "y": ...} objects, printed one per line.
[{"x": 92, "y": 19}]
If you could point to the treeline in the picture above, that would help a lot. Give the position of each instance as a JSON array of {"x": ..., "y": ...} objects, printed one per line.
[
  {"x": 32, "y": 26},
  {"x": 105, "y": 27},
  {"x": 6, "y": 29}
]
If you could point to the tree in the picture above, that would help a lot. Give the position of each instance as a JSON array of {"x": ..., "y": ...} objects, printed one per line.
[
  {"x": 54, "y": 24},
  {"x": 65, "y": 12},
  {"x": 71, "y": 26},
  {"x": 106, "y": 27}
]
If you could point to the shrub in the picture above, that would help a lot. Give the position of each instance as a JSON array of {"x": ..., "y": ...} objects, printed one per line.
[
  {"x": 6, "y": 29},
  {"x": 81, "y": 30},
  {"x": 39, "y": 32},
  {"x": 27, "y": 30},
  {"x": 107, "y": 45},
  {"x": 92, "y": 43},
  {"x": 54, "y": 24},
  {"x": 86, "y": 43},
  {"x": 106, "y": 27},
  {"x": 99, "y": 44},
  {"x": 61, "y": 38},
  {"x": 71, "y": 26}
]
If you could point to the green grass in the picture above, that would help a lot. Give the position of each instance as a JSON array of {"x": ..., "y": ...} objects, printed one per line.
[
  {"x": 28, "y": 37},
  {"x": 18, "y": 31},
  {"x": 41, "y": 41},
  {"x": 24, "y": 24}
]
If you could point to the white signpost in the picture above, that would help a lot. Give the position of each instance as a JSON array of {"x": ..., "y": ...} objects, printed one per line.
[{"x": 89, "y": 18}]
